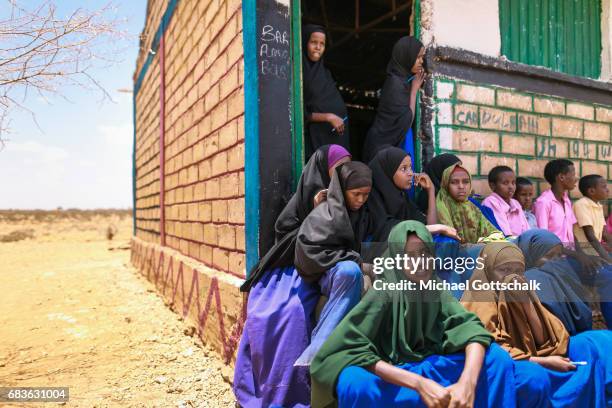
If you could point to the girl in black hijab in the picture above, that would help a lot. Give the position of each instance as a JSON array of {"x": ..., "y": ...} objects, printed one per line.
[
  {"x": 315, "y": 178},
  {"x": 328, "y": 247},
  {"x": 280, "y": 304},
  {"x": 389, "y": 204},
  {"x": 325, "y": 111},
  {"x": 395, "y": 111}
]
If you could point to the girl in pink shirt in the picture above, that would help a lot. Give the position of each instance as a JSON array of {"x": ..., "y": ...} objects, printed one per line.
[
  {"x": 553, "y": 208},
  {"x": 508, "y": 211}
]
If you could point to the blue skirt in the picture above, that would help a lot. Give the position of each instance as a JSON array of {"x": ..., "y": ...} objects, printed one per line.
[
  {"x": 358, "y": 387},
  {"x": 587, "y": 386}
]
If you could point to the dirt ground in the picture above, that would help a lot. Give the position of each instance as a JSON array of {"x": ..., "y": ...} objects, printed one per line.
[{"x": 74, "y": 313}]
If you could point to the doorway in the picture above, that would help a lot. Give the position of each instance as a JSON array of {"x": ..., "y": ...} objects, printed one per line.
[{"x": 360, "y": 37}]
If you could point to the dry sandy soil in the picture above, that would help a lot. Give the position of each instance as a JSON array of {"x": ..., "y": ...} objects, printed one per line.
[{"x": 74, "y": 313}]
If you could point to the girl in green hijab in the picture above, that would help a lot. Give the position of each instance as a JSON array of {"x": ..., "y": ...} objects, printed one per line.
[
  {"x": 457, "y": 211},
  {"x": 409, "y": 347}
]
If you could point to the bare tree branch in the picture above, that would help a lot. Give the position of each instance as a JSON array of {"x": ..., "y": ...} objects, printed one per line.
[{"x": 43, "y": 52}]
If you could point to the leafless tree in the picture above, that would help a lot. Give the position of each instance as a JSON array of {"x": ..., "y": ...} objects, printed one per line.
[{"x": 43, "y": 53}]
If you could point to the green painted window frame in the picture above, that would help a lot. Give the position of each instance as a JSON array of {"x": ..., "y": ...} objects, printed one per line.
[
  {"x": 297, "y": 118},
  {"x": 563, "y": 35}
]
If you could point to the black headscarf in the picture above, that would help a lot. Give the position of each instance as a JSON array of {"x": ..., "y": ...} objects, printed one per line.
[
  {"x": 320, "y": 96},
  {"x": 314, "y": 178},
  {"x": 388, "y": 204},
  {"x": 333, "y": 233},
  {"x": 434, "y": 170},
  {"x": 393, "y": 116}
]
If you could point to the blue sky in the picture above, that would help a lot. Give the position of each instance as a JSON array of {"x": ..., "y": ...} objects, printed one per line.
[{"x": 79, "y": 155}]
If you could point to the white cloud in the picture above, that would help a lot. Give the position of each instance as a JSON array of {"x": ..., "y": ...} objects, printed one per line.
[
  {"x": 117, "y": 135},
  {"x": 37, "y": 151}
]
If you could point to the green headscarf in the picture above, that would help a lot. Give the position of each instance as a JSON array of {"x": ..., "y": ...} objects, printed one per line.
[
  {"x": 465, "y": 217},
  {"x": 394, "y": 326}
]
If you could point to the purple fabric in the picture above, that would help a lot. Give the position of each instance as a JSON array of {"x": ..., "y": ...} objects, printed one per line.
[
  {"x": 335, "y": 153},
  {"x": 277, "y": 330}
]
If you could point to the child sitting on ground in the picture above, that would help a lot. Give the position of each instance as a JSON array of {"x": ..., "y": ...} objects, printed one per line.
[
  {"x": 590, "y": 228},
  {"x": 508, "y": 212},
  {"x": 524, "y": 195}
]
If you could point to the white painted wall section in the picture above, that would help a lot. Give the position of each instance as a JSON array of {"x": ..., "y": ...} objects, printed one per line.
[{"x": 468, "y": 24}]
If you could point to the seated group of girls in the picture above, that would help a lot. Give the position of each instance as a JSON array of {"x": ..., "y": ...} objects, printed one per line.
[{"x": 433, "y": 348}]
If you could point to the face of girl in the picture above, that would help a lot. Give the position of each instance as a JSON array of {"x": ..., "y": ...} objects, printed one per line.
[
  {"x": 555, "y": 252},
  {"x": 316, "y": 46},
  {"x": 600, "y": 191},
  {"x": 356, "y": 197},
  {"x": 460, "y": 185},
  {"x": 343, "y": 160},
  {"x": 568, "y": 180},
  {"x": 418, "y": 64},
  {"x": 505, "y": 185},
  {"x": 416, "y": 248},
  {"x": 524, "y": 195},
  {"x": 403, "y": 175},
  {"x": 506, "y": 269}
]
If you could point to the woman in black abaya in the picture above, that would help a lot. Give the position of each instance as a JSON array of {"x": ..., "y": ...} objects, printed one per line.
[
  {"x": 325, "y": 112},
  {"x": 395, "y": 111}
]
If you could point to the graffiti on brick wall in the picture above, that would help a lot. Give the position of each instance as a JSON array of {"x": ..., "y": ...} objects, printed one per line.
[
  {"x": 274, "y": 52},
  {"x": 501, "y": 119},
  {"x": 605, "y": 152},
  {"x": 528, "y": 124},
  {"x": 546, "y": 147},
  {"x": 581, "y": 149},
  {"x": 143, "y": 257},
  {"x": 466, "y": 117}
]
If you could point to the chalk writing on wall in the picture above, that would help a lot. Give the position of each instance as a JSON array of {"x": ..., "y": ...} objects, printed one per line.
[{"x": 274, "y": 52}]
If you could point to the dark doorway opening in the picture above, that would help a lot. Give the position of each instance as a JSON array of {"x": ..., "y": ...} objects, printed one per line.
[{"x": 360, "y": 36}]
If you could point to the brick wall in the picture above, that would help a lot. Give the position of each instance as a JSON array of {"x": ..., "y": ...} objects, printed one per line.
[
  {"x": 146, "y": 209},
  {"x": 204, "y": 136},
  {"x": 488, "y": 126}
]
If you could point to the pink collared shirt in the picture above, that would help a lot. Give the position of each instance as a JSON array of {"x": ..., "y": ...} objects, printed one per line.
[
  {"x": 550, "y": 215},
  {"x": 510, "y": 217}
]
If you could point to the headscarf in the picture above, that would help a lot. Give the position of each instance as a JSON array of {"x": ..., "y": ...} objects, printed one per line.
[
  {"x": 393, "y": 115},
  {"x": 332, "y": 233},
  {"x": 389, "y": 204},
  {"x": 502, "y": 312},
  {"x": 464, "y": 216},
  {"x": 355, "y": 175},
  {"x": 394, "y": 326},
  {"x": 436, "y": 166},
  {"x": 434, "y": 170},
  {"x": 535, "y": 243},
  {"x": 321, "y": 95},
  {"x": 560, "y": 288},
  {"x": 335, "y": 154},
  {"x": 314, "y": 178}
]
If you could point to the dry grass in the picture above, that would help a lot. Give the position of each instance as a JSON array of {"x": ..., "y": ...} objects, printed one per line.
[
  {"x": 16, "y": 216},
  {"x": 17, "y": 235},
  {"x": 75, "y": 313}
]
